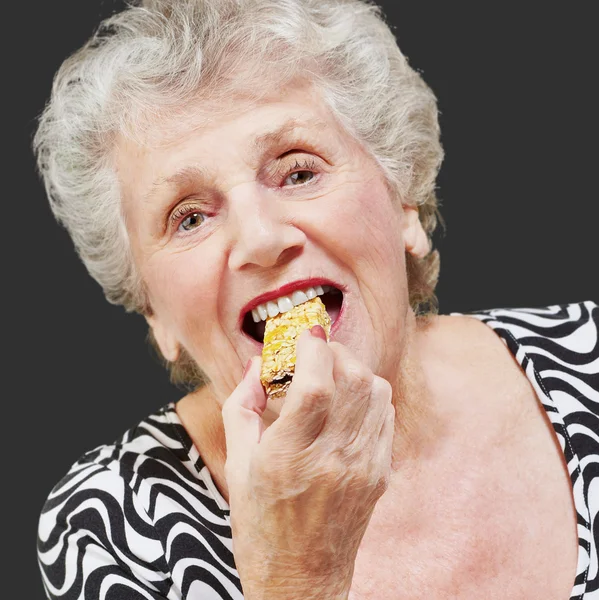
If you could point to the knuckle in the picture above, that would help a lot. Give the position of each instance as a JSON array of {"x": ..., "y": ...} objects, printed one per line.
[
  {"x": 336, "y": 467},
  {"x": 228, "y": 410},
  {"x": 359, "y": 377},
  {"x": 382, "y": 484},
  {"x": 341, "y": 352},
  {"x": 382, "y": 388},
  {"x": 348, "y": 455},
  {"x": 372, "y": 481},
  {"x": 336, "y": 347}
]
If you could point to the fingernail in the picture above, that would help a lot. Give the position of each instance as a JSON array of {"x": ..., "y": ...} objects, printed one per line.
[
  {"x": 319, "y": 332},
  {"x": 247, "y": 368}
]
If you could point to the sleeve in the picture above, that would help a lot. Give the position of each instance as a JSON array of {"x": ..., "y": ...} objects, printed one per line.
[{"x": 96, "y": 542}]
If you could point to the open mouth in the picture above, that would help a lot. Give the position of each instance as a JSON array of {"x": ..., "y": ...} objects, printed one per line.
[{"x": 332, "y": 300}]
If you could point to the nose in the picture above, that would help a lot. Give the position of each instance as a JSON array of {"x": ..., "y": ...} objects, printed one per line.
[{"x": 261, "y": 234}]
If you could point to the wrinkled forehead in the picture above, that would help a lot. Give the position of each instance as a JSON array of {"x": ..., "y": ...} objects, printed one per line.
[{"x": 166, "y": 125}]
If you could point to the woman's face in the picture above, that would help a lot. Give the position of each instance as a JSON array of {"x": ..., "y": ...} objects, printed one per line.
[{"x": 221, "y": 209}]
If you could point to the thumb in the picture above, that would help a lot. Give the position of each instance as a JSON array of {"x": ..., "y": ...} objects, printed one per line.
[{"x": 242, "y": 416}]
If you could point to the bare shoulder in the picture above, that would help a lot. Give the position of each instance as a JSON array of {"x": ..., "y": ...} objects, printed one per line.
[
  {"x": 468, "y": 345},
  {"x": 470, "y": 369}
]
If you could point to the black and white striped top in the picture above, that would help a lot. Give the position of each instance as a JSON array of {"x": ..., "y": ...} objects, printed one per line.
[{"x": 142, "y": 518}]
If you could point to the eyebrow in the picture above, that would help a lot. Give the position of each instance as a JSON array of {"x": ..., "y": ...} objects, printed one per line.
[
  {"x": 272, "y": 138},
  {"x": 258, "y": 146}
]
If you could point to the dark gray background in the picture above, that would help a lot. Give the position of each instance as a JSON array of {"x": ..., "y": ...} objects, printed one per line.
[{"x": 518, "y": 101}]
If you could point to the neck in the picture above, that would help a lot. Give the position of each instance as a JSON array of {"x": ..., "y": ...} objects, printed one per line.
[{"x": 417, "y": 424}]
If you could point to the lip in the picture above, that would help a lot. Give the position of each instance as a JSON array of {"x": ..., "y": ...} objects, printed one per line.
[{"x": 285, "y": 290}]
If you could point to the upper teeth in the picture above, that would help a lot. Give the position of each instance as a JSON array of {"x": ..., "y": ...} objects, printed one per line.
[{"x": 273, "y": 307}]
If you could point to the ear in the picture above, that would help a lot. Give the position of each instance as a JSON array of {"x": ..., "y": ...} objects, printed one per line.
[
  {"x": 166, "y": 342},
  {"x": 415, "y": 238}
]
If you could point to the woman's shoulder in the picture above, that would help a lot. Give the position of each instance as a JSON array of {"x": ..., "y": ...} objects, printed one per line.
[
  {"x": 566, "y": 332},
  {"x": 156, "y": 441},
  {"x": 556, "y": 346},
  {"x": 157, "y": 449},
  {"x": 120, "y": 507}
]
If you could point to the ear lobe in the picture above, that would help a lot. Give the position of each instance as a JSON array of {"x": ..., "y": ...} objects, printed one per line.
[
  {"x": 168, "y": 344},
  {"x": 415, "y": 238}
]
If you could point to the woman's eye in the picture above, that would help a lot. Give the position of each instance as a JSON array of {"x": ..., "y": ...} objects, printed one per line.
[
  {"x": 299, "y": 177},
  {"x": 191, "y": 221},
  {"x": 301, "y": 172}
]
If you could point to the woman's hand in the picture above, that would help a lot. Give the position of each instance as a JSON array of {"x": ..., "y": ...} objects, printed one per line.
[{"x": 303, "y": 491}]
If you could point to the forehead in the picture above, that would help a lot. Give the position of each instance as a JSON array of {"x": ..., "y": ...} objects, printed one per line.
[{"x": 203, "y": 135}]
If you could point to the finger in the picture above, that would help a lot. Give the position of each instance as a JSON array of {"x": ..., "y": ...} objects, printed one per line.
[
  {"x": 382, "y": 455},
  {"x": 353, "y": 385},
  {"x": 381, "y": 398},
  {"x": 384, "y": 448},
  {"x": 242, "y": 415},
  {"x": 310, "y": 393}
]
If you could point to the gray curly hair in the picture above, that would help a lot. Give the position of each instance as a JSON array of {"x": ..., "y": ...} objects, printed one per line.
[{"x": 158, "y": 55}]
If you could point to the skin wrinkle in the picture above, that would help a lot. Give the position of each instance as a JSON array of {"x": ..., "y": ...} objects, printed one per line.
[{"x": 198, "y": 177}]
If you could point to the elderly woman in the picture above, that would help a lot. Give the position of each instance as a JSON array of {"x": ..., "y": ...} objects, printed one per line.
[{"x": 218, "y": 162}]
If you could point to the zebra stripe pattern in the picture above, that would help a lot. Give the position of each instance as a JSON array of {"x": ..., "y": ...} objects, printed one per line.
[{"x": 142, "y": 518}]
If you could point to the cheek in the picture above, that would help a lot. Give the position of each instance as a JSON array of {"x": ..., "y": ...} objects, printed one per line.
[
  {"x": 183, "y": 288},
  {"x": 366, "y": 226}
]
